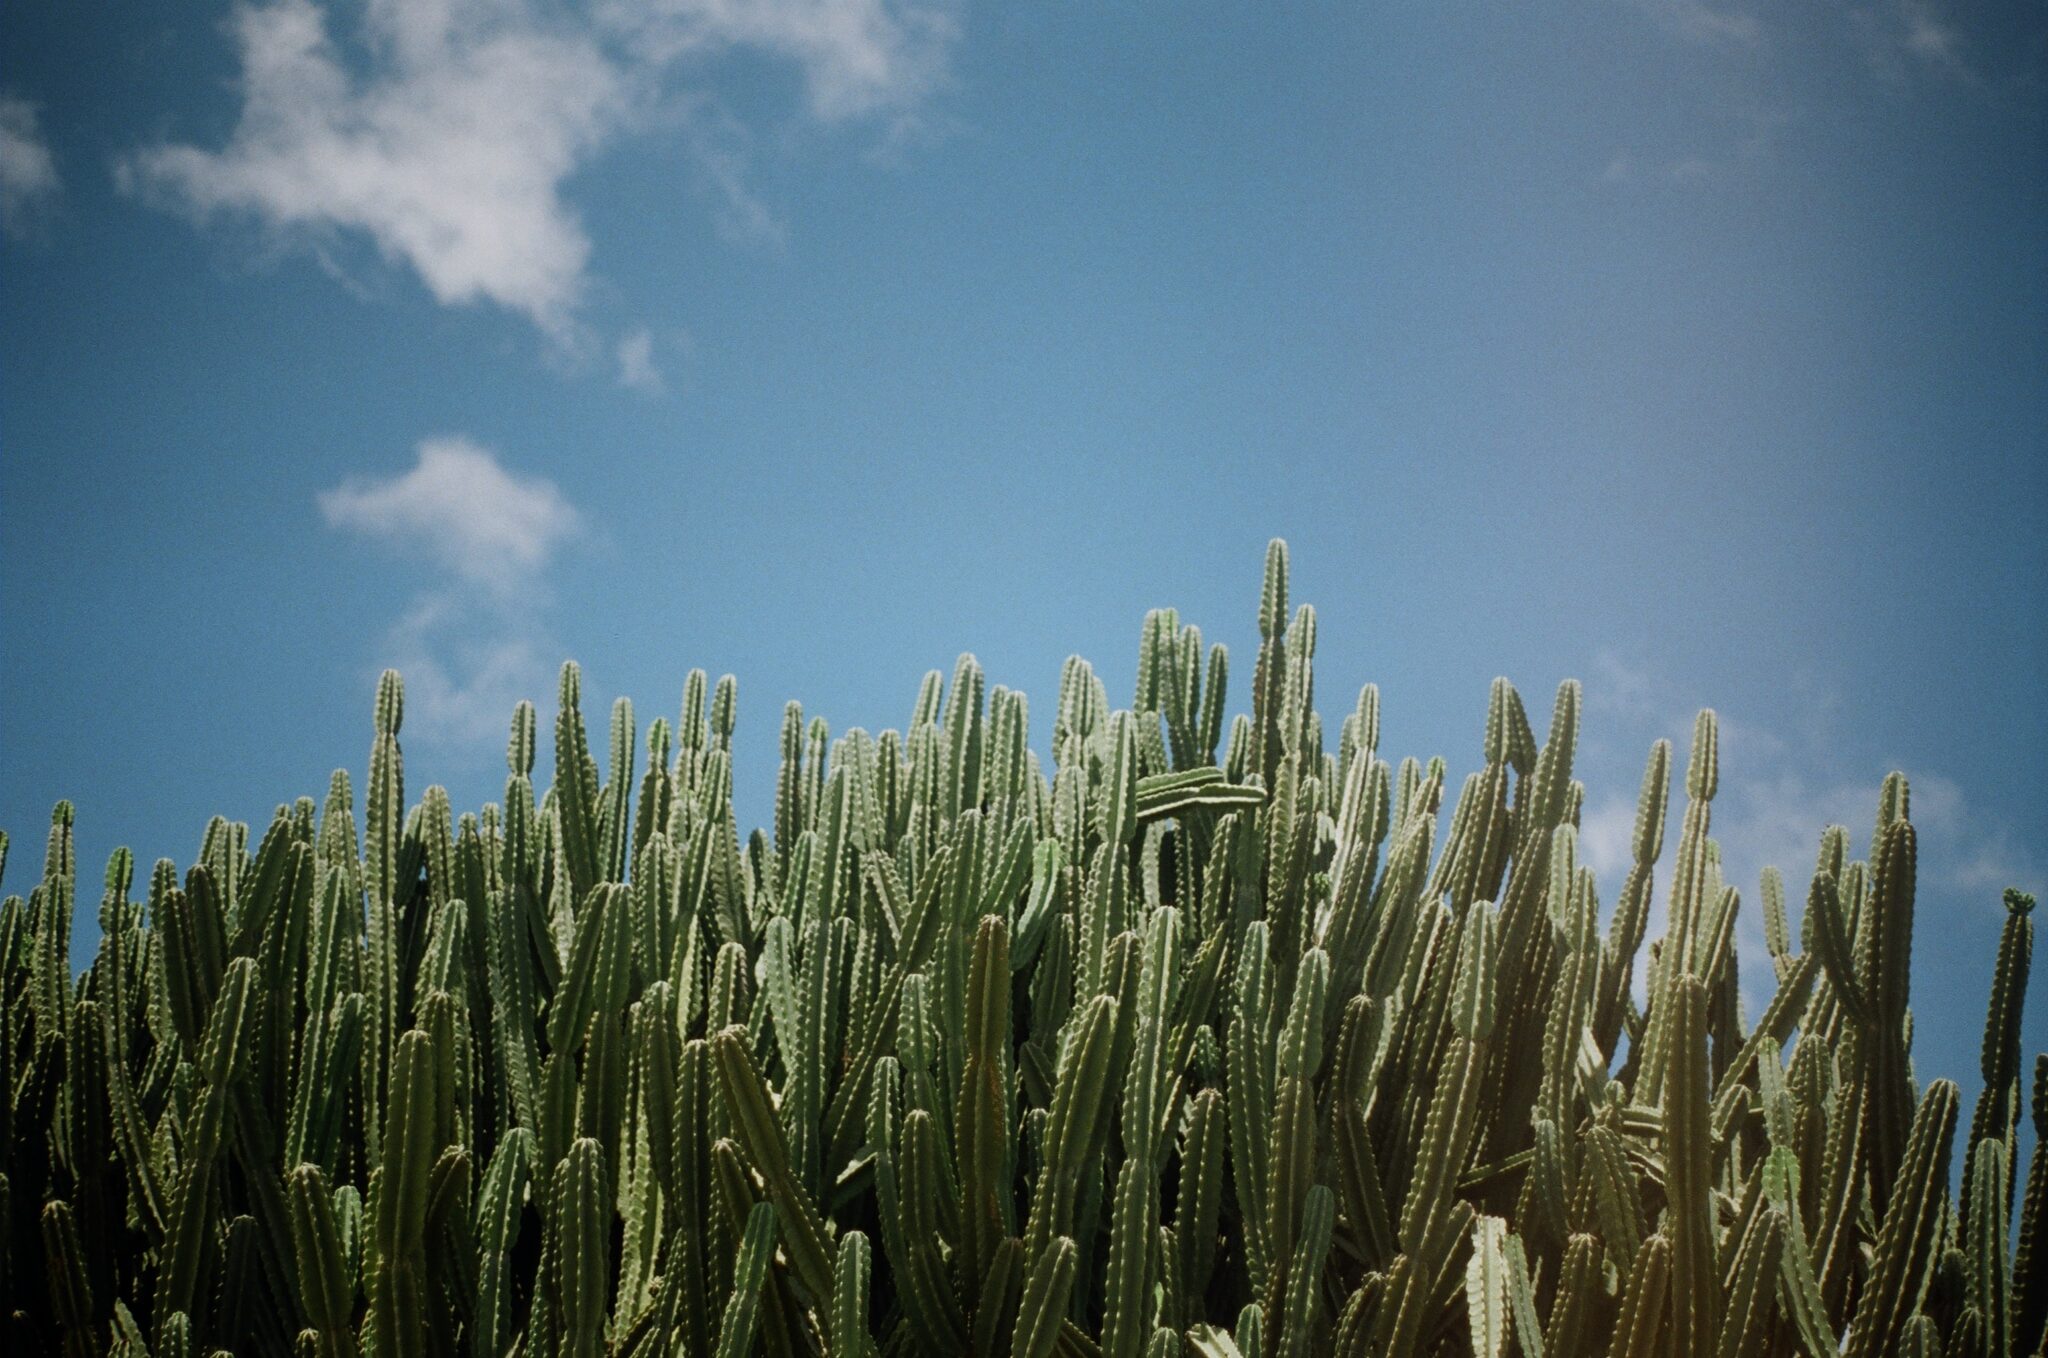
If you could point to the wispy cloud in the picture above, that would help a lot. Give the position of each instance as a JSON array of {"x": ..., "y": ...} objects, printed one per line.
[
  {"x": 858, "y": 57},
  {"x": 1929, "y": 36},
  {"x": 720, "y": 151},
  {"x": 1896, "y": 36},
  {"x": 28, "y": 172},
  {"x": 1757, "y": 64},
  {"x": 465, "y": 667},
  {"x": 490, "y": 526},
  {"x": 637, "y": 368},
  {"x": 1902, "y": 38},
  {"x": 1746, "y": 133},
  {"x": 472, "y": 644},
  {"x": 447, "y": 136},
  {"x": 1697, "y": 21},
  {"x": 1780, "y": 786}
]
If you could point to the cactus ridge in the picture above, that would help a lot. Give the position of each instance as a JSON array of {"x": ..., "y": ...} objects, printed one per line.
[{"x": 1204, "y": 1038}]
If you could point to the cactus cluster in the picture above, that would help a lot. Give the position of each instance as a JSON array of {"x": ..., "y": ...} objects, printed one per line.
[{"x": 1216, "y": 1041}]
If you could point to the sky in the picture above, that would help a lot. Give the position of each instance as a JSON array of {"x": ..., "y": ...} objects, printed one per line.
[{"x": 1696, "y": 351}]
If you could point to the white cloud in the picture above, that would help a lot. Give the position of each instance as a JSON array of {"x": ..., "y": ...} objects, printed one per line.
[
  {"x": 858, "y": 56},
  {"x": 449, "y": 134},
  {"x": 450, "y": 156},
  {"x": 637, "y": 368},
  {"x": 28, "y": 173},
  {"x": 491, "y": 527}
]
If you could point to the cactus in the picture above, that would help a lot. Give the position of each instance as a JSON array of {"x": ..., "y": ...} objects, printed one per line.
[{"x": 1205, "y": 1038}]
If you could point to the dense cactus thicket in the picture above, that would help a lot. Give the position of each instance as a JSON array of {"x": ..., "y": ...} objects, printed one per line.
[{"x": 1216, "y": 1041}]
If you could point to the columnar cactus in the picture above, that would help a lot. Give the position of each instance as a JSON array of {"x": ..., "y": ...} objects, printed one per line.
[{"x": 1201, "y": 1038}]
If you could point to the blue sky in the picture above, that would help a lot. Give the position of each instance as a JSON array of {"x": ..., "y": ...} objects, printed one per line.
[{"x": 1696, "y": 351}]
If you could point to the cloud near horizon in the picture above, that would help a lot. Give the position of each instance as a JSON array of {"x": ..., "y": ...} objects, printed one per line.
[
  {"x": 450, "y": 146},
  {"x": 470, "y": 647},
  {"x": 28, "y": 172},
  {"x": 1777, "y": 792},
  {"x": 465, "y": 668}
]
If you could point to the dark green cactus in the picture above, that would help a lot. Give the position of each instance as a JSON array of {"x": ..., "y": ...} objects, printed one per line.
[
  {"x": 1911, "y": 1228},
  {"x": 1204, "y": 1038}
]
